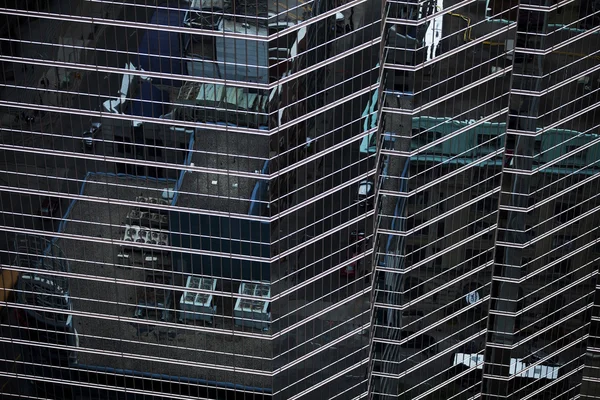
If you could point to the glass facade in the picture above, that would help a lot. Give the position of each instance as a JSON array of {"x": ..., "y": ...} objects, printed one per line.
[
  {"x": 484, "y": 259},
  {"x": 323, "y": 199}
]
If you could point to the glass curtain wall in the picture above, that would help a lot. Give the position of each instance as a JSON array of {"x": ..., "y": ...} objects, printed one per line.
[
  {"x": 485, "y": 269},
  {"x": 323, "y": 199},
  {"x": 189, "y": 174},
  {"x": 545, "y": 266}
]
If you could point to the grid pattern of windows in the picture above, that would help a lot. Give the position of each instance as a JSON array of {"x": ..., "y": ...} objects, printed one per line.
[
  {"x": 484, "y": 258},
  {"x": 189, "y": 173},
  {"x": 321, "y": 199}
]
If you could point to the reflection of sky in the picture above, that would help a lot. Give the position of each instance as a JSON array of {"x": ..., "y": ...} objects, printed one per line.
[
  {"x": 433, "y": 35},
  {"x": 517, "y": 367}
]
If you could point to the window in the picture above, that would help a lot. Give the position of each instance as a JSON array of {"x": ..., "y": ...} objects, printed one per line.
[
  {"x": 513, "y": 123},
  {"x": 413, "y": 288},
  {"x": 442, "y": 205},
  {"x": 565, "y": 212},
  {"x": 411, "y": 223},
  {"x": 581, "y": 155},
  {"x": 563, "y": 240},
  {"x": 562, "y": 268},
  {"x": 425, "y": 137},
  {"x": 414, "y": 256},
  {"x": 420, "y": 199},
  {"x": 486, "y": 139},
  {"x": 526, "y": 260},
  {"x": 476, "y": 259},
  {"x": 481, "y": 226},
  {"x": 437, "y": 262},
  {"x": 123, "y": 148},
  {"x": 529, "y": 232},
  {"x": 418, "y": 342},
  {"x": 154, "y": 148},
  {"x": 441, "y": 229},
  {"x": 182, "y": 151},
  {"x": 487, "y": 205},
  {"x": 402, "y": 10}
]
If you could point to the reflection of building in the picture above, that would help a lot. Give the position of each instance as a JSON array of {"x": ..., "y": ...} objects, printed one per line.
[
  {"x": 200, "y": 244},
  {"x": 263, "y": 177},
  {"x": 486, "y": 264},
  {"x": 42, "y": 285}
]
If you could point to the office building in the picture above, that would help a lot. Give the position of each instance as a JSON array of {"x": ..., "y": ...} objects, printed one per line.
[
  {"x": 485, "y": 271},
  {"x": 299, "y": 200}
]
